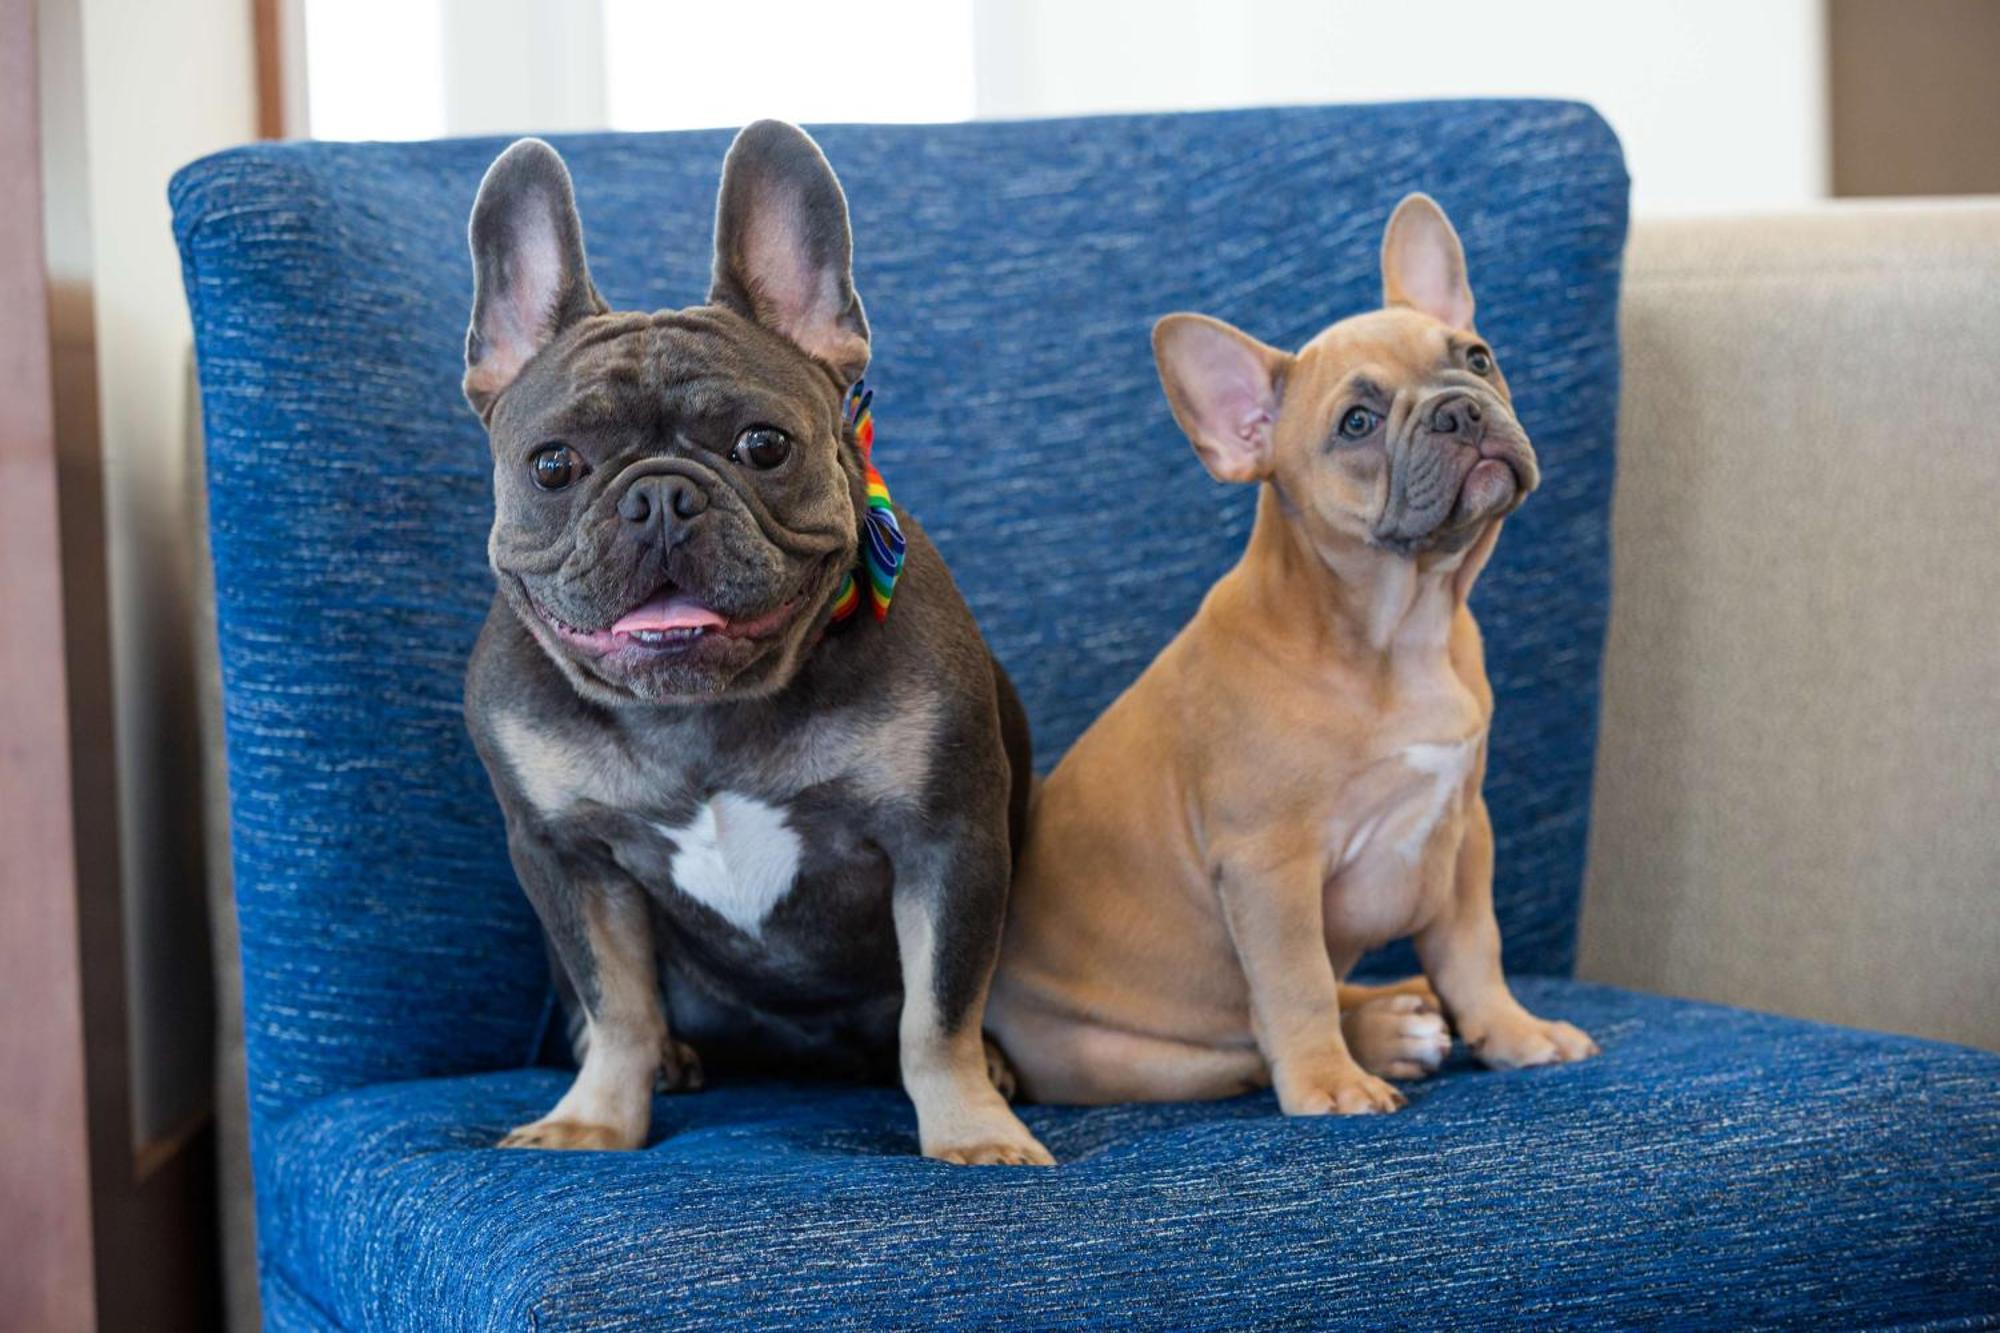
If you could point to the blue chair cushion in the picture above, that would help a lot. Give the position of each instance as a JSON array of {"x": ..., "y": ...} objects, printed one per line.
[
  {"x": 1012, "y": 272},
  {"x": 1714, "y": 1167}
]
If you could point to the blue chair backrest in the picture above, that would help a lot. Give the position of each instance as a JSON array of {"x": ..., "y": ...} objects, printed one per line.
[{"x": 1012, "y": 272}]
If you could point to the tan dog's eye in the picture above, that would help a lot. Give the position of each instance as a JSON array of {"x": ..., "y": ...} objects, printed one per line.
[
  {"x": 1358, "y": 424},
  {"x": 1479, "y": 361}
]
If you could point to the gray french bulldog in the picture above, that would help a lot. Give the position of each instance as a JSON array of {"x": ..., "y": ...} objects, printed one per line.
[{"x": 748, "y": 832}]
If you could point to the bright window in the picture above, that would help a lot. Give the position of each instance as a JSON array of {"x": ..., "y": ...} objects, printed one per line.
[
  {"x": 375, "y": 69},
  {"x": 682, "y": 66}
]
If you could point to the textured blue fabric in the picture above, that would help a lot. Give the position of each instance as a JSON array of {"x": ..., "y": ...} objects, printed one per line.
[
  {"x": 288, "y": 1310},
  {"x": 1714, "y": 1167}
]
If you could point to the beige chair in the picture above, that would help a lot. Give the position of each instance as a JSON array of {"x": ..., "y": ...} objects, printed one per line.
[{"x": 1798, "y": 782}]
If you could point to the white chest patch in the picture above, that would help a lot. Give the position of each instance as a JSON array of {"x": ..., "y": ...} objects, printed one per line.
[
  {"x": 737, "y": 856},
  {"x": 1447, "y": 765}
]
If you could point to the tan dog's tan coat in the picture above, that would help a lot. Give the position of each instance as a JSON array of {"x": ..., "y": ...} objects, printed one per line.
[{"x": 1296, "y": 778}]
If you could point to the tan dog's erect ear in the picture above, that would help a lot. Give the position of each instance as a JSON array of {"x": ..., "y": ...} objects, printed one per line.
[
  {"x": 1224, "y": 387},
  {"x": 1423, "y": 265}
]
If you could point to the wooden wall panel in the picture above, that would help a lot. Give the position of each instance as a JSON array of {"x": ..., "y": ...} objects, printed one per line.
[{"x": 46, "y": 1268}]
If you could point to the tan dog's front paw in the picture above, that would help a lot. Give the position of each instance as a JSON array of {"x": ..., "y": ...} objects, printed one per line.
[
  {"x": 1342, "y": 1091},
  {"x": 569, "y": 1134},
  {"x": 1397, "y": 1036},
  {"x": 1519, "y": 1040}
]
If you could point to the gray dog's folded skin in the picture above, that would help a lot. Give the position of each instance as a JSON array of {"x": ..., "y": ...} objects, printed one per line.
[{"x": 747, "y": 832}]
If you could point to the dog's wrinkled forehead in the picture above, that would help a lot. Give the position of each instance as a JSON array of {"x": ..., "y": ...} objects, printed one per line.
[
  {"x": 1383, "y": 353},
  {"x": 781, "y": 302},
  {"x": 651, "y": 376}
]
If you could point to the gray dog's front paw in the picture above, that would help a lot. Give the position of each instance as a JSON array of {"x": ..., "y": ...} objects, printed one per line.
[
  {"x": 981, "y": 1131},
  {"x": 570, "y": 1135}
]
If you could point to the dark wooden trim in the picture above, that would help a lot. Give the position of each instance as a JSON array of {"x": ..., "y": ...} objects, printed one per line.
[
  {"x": 46, "y": 1217},
  {"x": 1912, "y": 96},
  {"x": 85, "y": 1242},
  {"x": 267, "y": 28}
]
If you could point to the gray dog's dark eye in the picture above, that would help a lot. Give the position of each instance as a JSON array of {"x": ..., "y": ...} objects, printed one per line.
[
  {"x": 762, "y": 447},
  {"x": 1358, "y": 422},
  {"x": 554, "y": 466},
  {"x": 1479, "y": 361}
]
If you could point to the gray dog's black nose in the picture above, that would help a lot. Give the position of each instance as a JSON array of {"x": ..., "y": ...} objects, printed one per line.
[
  {"x": 661, "y": 499},
  {"x": 1461, "y": 417}
]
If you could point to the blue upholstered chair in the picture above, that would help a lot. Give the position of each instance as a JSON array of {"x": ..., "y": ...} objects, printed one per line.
[{"x": 1713, "y": 1166}]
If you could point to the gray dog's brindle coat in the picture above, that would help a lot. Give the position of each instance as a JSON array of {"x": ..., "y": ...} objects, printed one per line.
[{"x": 799, "y": 836}]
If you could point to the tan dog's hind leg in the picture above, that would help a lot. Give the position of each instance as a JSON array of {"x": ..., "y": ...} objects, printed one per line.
[
  {"x": 1277, "y": 921},
  {"x": 1355, "y": 994},
  {"x": 1461, "y": 954},
  {"x": 1396, "y": 1031}
]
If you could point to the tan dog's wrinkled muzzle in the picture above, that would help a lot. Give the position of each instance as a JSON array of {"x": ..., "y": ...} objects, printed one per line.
[{"x": 1457, "y": 460}]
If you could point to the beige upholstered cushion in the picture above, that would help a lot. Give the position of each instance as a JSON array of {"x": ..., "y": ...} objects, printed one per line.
[{"x": 1798, "y": 791}]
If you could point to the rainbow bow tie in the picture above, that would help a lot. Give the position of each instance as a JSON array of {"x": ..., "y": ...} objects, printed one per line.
[{"x": 882, "y": 541}]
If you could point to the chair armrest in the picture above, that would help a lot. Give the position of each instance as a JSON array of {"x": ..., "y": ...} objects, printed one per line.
[{"x": 1799, "y": 762}]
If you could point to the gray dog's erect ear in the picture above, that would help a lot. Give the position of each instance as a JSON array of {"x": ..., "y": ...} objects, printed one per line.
[
  {"x": 1423, "y": 265},
  {"x": 531, "y": 281},
  {"x": 783, "y": 250},
  {"x": 1225, "y": 388}
]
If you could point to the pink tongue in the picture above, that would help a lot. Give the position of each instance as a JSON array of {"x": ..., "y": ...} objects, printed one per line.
[{"x": 668, "y": 611}]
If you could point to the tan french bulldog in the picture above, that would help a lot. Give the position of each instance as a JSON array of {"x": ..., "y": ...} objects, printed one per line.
[{"x": 1295, "y": 780}]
